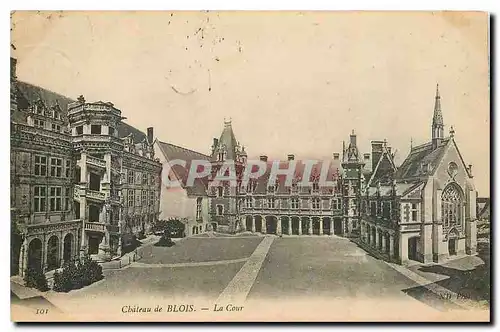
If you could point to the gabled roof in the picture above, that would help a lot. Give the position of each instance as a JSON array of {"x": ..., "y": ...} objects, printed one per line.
[
  {"x": 423, "y": 160},
  {"x": 27, "y": 94},
  {"x": 172, "y": 152},
  {"x": 385, "y": 168}
]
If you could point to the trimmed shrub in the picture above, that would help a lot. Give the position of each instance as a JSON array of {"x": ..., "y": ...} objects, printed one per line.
[
  {"x": 165, "y": 241},
  {"x": 35, "y": 278},
  {"x": 78, "y": 274}
]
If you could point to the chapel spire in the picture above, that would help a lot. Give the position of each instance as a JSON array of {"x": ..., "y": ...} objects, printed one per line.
[{"x": 437, "y": 121}]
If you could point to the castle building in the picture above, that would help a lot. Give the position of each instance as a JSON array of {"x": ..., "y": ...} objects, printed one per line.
[
  {"x": 185, "y": 203},
  {"x": 425, "y": 209},
  {"x": 82, "y": 181}
]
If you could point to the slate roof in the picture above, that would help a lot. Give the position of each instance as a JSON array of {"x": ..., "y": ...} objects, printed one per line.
[
  {"x": 422, "y": 160},
  {"x": 28, "y": 93},
  {"x": 228, "y": 139},
  {"x": 172, "y": 152},
  {"x": 334, "y": 171}
]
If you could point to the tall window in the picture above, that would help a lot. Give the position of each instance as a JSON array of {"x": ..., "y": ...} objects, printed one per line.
[
  {"x": 40, "y": 198},
  {"x": 315, "y": 187},
  {"x": 68, "y": 168},
  {"x": 414, "y": 212},
  {"x": 220, "y": 209},
  {"x": 295, "y": 203},
  {"x": 198, "y": 208},
  {"x": 40, "y": 165},
  {"x": 130, "y": 177},
  {"x": 316, "y": 204},
  {"x": 130, "y": 197},
  {"x": 451, "y": 206},
  {"x": 144, "y": 178},
  {"x": 56, "y": 167},
  {"x": 152, "y": 197},
  {"x": 220, "y": 191},
  {"x": 336, "y": 204},
  {"x": 144, "y": 198},
  {"x": 138, "y": 198},
  {"x": 55, "y": 198}
]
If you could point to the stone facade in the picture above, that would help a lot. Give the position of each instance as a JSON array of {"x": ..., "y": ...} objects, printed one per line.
[{"x": 70, "y": 161}]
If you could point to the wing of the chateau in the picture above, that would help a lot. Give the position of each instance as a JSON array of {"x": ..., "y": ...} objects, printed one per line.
[{"x": 83, "y": 182}]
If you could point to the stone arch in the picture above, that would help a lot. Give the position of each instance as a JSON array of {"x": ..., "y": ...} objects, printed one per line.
[
  {"x": 68, "y": 247},
  {"x": 53, "y": 255},
  {"x": 35, "y": 253},
  {"x": 271, "y": 224},
  {"x": 248, "y": 223}
]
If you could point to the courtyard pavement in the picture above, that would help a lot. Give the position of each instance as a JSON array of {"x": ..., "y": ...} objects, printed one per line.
[{"x": 249, "y": 269}]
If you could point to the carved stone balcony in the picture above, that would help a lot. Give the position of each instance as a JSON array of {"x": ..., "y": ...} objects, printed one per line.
[
  {"x": 95, "y": 227},
  {"x": 96, "y": 195},
  {"x": 96, "y": 162}
]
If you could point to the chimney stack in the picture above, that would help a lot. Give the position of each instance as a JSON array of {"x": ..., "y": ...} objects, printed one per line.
[
  {"x": 150, "y": 134},
  {"x": 336, "y": 156},
  {"x": 291, "y": 157},
  {"x": 353, "y": 139},
  {"x": 263, "y": 158},
  {"x": 470, "y": 169}
]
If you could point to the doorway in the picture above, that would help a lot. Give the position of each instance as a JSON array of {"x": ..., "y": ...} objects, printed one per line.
[
  {"x": 412, "y": 248},
  {"x": 452, "y": 247}
]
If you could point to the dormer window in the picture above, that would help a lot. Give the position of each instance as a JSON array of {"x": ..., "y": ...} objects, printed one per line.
[
  {"x": 315, "y": 187},
  {"x": 111, "y": 131},
  {"x": 79, "y": 130}
]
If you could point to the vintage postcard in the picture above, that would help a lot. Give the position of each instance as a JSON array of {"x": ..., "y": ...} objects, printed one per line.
[{"x": 208, "y": 166}]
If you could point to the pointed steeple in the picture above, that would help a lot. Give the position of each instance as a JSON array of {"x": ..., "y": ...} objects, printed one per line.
[
  {"x": 226, "y": 145},
  {"x": 437, "y": 121}
]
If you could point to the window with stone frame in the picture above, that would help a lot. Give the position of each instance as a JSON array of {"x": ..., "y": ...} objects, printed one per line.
[
  {"x": 451, "y": 206},
  {"x": 295, "y": 203},
  {"x": 39, "y": 123},
  {"x": 56, "y": 167},
  {"x": 152, "y": 197},
  {"x": 271, "y": 202},
  {"x": 144, "y": 197},
  {"x": 130, "y": 198},
  {"x": 55, "y": 198},
  {"x": 199, "y": 201},
  {"x": 249, "y": 202},
  {"x": 336, "y": 204},
  {"x": 41, "y": 165},
  {"x": 219, "y": 209},
  {"x": 40, "y": 198},
  {"x": 316, "y": 203},
  {"x": 130, "y": 176},
  {"x": 67, "y": 169},
  {"x": 414, "y": 212},
  {"x": 220, "y": 191},
  {"x": 315, "y": 187},
  {"x": 144, "y": 178}
]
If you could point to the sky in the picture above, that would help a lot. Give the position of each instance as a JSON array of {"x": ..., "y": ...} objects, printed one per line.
[{"x": 291, "y": 82}]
